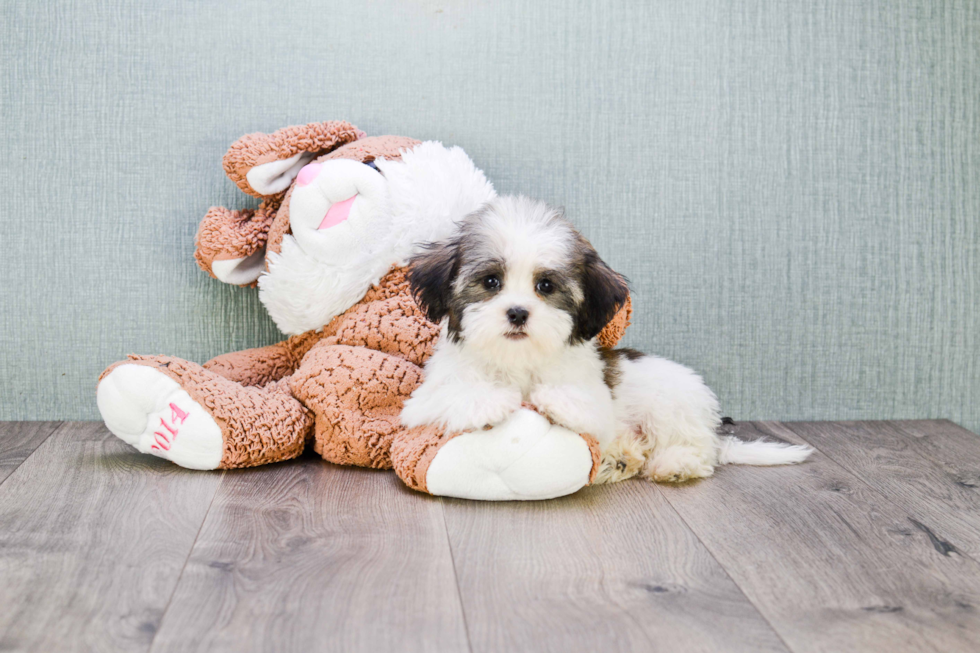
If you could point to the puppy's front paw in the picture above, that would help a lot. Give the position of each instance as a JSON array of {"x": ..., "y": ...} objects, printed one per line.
[
  {"x": 472, "y": 410},
  {"x": 491, "y": 409},
  {"x": 677, "y": 464},
  {"x": 554, "y": 404},
  {"x": 576, "y": 409}
]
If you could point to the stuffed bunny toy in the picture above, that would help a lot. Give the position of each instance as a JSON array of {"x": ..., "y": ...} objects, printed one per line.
[{"x": 341, "y": 216}]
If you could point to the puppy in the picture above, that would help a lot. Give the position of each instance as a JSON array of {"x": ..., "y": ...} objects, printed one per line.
[{"x": 521, "y": 297}]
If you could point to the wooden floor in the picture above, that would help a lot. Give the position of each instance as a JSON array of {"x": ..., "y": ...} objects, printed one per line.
[{"x": 873, "y": 545}]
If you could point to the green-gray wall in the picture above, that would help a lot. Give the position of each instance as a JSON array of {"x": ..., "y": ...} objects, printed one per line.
[{"x": 792, "y": 187}]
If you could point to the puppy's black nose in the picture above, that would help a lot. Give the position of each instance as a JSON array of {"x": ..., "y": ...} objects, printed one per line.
[{"x": 517, "y": 315}]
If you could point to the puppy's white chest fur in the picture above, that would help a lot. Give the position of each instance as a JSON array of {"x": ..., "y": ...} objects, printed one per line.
[
  {"x": 465, "y": 390},
  {"x": 571, "y": 392}
]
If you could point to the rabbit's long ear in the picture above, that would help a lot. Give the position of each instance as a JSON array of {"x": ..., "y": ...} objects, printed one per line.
[
  {"x": 263, "y": 165},
  {"x": 230, "y": 245}
]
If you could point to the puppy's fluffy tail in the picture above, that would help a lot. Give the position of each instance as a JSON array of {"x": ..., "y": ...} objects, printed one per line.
[{"x": 759, "y": 452}]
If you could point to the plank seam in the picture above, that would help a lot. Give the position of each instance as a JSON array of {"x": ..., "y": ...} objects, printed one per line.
[
  {"x": 57, "y": 426},
  {"x": 452, "y": 560},
  {"x": 190, "y": 552},
  {"x": 758, "y": 610}
]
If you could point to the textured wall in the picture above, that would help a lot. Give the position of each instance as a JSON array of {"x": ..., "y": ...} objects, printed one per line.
[{"x": 792, "y": 187}]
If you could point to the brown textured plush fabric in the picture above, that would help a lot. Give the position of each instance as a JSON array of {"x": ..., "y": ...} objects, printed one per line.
[
  {"x": 263, "y": 365},
  {"x": 357, "y": 396},
  {"x": 225, "y": 234},
  {"x": 258, "y": 148},
  {"x": 596, "y": 455},
  {"x": 412, "y": 453},
  {"x": 258, "y": 425},
  {"x": 356, "y": 378},
  {"x": 368, "y": 149},
  {"x": 613, "y": 332},
  {"x": 393, "y": 284},
  {"x": 386, "y": 312},
  {"x": 387, "y": 307},
  {"x": 279, "y": 227},
  {"x": 393, "y": 326}
]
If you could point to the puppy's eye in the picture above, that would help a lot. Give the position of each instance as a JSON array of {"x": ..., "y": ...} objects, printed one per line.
[
  {"x": 491, "y": 282},
  {"x": 545, "y": 287}
]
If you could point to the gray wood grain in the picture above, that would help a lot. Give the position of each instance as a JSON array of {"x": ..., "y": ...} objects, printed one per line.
[
  {"x": 611, "y": 568},
  {"x": 308, "y": 556},
  {"x": 18, "y": 440},
  {"x": 931, "y": 469},
  {"x": 831, "y": 563},
  {"x": 867, "y": 547},
  {"x": 93, "y": 540}
]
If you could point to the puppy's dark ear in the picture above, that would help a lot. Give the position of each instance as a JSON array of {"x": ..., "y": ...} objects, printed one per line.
[
  {"x": 430, "y": 276},
  {"x": 604, "y": 293}
]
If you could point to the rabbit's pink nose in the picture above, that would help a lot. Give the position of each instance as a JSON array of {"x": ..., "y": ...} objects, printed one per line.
[{"x": 308, "y": 174}]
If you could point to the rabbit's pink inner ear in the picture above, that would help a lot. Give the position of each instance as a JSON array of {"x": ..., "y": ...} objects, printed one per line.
[{"x": 276, "y": 176}]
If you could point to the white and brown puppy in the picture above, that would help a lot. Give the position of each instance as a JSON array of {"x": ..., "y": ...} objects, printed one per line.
[{"x": 521, "y": 296}]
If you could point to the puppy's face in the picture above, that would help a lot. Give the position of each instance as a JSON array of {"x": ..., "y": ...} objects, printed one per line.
[{"x": 516, "y": 278}]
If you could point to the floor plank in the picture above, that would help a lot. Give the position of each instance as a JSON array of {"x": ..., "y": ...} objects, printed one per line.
[
  {"x": 831, "y": 563},
  {"x": 872, "y": 546},
  {"x": 93, "y": 541},
  {"x": 305, "y": 556},
  {"x": 931, "y": 469},
  {"x": 18, "y": 440},
  {"x": 611, "y": 568}
]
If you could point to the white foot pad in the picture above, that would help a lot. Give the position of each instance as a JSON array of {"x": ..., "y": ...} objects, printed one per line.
[
  {"x": 150, "y": 411},
  {"x": 525, "y": 458}
]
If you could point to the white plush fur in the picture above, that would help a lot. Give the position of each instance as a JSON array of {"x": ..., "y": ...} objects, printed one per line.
[
  {"x": 523, "y": 458},
  {"x": 656, "y": 409},
  {"x": 138, "y": 405},
  {"x": 430, "y": 189},
  {"x": 321, "y": 273}
]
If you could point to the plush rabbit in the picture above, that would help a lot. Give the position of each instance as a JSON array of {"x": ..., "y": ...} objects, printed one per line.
[{"x": 341, "y": 215}]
